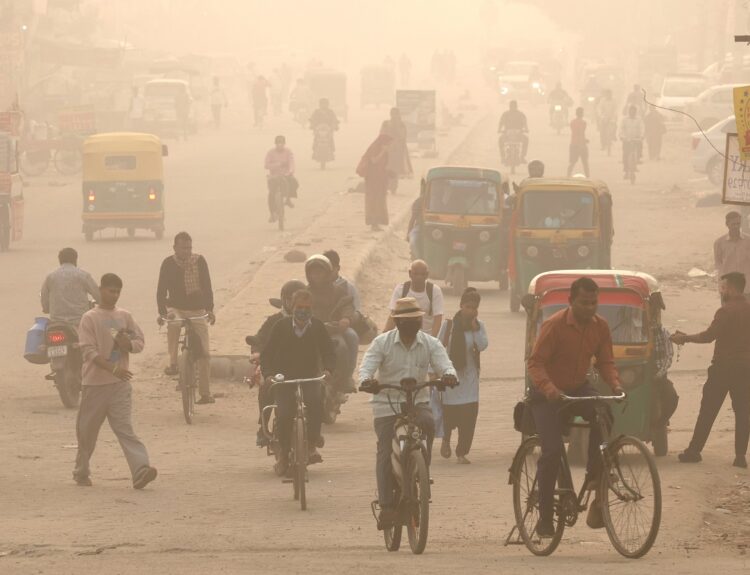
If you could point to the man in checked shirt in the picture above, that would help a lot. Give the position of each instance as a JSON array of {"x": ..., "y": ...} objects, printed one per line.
[{"x": 558, "y": 364}]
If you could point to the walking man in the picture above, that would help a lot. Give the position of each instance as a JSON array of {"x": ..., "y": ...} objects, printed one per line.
[
  {"x": 732, "y": 251},
  {"x": 429, "y": 296},
  {"x": 579, "y": 145},
  {"x": 728, "y": 372},
  {"x": 108, "y": 335},
  {"x": 184, "y": 291}
]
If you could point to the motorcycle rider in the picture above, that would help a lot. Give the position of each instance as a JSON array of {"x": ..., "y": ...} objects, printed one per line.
[
  {"x": 324, "y": 116},
  {"x": 333, "y": 306},
  {"x": 280, "y": 162},
  {"x": 514, "y": 119},
  {"x": 297, "y": 346},
  {"x": 632, "y": 131},
  {"x": 559, "y": 97},
  {"x": 65, "y": 292},
  {"x": 260, "y": 341},
  {"x": 606, "y": 117},
  {"x": 406, "y": 351}
]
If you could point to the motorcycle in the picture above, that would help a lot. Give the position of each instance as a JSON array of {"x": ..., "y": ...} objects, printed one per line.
[
  {"x": 323, "y": 144},
  {"x": 558, "y": 118},
  {"x": 65, "y": 360},
  {"x": 510, "y": 149}
]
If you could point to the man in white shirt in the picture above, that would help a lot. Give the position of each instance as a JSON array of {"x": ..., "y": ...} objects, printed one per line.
[
  {"x": 732, "y": 250},
  {"x": 404, "y": 352},
  {"x": 429, "y": 296}
]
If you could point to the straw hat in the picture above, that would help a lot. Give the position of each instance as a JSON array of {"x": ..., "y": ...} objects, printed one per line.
[{"x": 407, "y": 307}]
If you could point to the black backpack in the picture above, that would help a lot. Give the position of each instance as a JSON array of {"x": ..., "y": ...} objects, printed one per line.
[{"x": 428, "y": 286}]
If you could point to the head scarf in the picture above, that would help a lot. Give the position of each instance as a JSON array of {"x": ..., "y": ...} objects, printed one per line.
[{"x": 191, "y": 273}]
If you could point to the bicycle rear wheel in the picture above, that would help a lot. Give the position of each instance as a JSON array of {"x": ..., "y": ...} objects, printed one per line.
[
  {"x": 526, "y": 500},
  {"x": 187, "y": 386},
  {"x": 418, "y": 501},
  {"x": 630, "y": 497},
  {"x": 279, "y": 204},
  {"x": 300, "y": 462}
]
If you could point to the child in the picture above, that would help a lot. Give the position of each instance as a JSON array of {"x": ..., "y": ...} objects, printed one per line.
[{"x": 108, "y": 336}]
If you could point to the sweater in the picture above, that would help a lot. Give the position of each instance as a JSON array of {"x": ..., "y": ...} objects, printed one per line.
[
  {"x": 171, "y": 289},
  {"x": 298, "y": 357}
]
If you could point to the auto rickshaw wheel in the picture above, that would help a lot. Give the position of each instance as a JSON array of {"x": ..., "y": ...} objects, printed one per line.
[
  {"x": 660, "y": 440},
  {"x": 159, "y": 234},
  {"x": 88, "y": 235},
  {"x": 458, "y": 280},
  {"x": 503, "y": 281},
  {"x": 515, "y": 300},
  {"x": 131, "y": 232}
]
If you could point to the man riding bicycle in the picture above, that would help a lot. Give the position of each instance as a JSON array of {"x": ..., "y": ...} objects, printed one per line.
[
  {"x": 632, "y": 130},
  {"x": 280, "y": 164},
  {"x": 559, "y": 364},
  {"x": 404, "y": 352},
  {"x": 298, "y": 346}
]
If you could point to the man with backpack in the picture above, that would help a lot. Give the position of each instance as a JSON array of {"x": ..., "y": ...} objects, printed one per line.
[{"x": 428, "y": 295}]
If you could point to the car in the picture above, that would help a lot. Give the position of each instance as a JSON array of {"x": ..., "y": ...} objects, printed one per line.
[
  {"x": 706, "y": 159},
  {"x": 712, "y": 105},
  {"x": 160, "y": 107},
  {"x": 678, "y": 91},
  {"x": 520, "y": 80}
]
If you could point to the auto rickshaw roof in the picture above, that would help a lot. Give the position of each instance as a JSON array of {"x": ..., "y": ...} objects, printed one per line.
[
  {"x": 561, "y": 182},
  {"x": 468, "y": 172},
  {"x": 122, "y": 142},
  {"x": 642, "y": 283}
]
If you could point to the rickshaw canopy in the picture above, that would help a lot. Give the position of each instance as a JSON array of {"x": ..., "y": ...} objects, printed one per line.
[{"x": 122, "y": 156}]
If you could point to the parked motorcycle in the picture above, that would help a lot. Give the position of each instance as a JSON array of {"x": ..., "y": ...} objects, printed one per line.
[{"x": 323, "y": 144}]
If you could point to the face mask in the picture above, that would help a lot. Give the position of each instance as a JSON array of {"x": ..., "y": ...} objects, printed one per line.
[
  {"x": 302, "y": 314},
  {"x": 409, "y": 328}
]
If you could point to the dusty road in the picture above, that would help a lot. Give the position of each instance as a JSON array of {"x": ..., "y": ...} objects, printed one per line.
[{"x": 216, "y": 507}]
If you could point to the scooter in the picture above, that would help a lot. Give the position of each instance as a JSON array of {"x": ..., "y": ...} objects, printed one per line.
[{"x": 323, "y": 144}]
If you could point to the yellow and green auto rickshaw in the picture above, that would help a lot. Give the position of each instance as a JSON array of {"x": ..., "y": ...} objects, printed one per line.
[
  {"x": 461, "y": 233},
  {"x": 632, "y": 304},
  {"x": 558, "y": 223},
  {"x": 123, "y": 183}
]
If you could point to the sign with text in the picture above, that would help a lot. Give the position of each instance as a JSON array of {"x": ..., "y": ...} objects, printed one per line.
[
  {"x": 736, "y": 189},
  {"x": 742, "y": 115}
]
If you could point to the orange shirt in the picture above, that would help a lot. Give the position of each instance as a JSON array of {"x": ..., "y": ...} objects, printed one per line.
[{"x": 562, "y": 354}]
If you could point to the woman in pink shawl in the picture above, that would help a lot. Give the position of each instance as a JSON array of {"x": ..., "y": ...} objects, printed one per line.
[{"x": 373, "y": 167}]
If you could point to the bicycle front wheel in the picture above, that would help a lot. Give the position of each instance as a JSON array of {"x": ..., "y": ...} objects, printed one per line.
[
  {"x": 418, "y": 500},
  {"x": 526, "y": 500},
  {"x": 300, "y": 462},
  {"x": 187, "y": 386},
  {"x": 630, "y": 497}
]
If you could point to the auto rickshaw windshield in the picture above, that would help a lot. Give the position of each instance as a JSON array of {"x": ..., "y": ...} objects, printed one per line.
[
  {"x": 470, "y": 197},
  {"x": 558, "y": 210},
  {"x": 627, "y": 322}
]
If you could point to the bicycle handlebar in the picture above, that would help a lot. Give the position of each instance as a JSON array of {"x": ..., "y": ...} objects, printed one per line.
[
  {"x": 279, "y": 380},
  {"x": 372, "y": 386},
  {"x": 568, "y": 398},
  {"x": 184, "y": 319}
]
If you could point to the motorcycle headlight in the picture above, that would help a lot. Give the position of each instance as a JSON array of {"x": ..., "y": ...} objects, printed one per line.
[
  {"x": 437, "y": 234},
  {"x": 591, "y": 98},
  {"x": 504, "y": 90},
  {"x": 532, "y": 251},
  {"x": 583, "y": 251},
  {"x": 558, "y": 108},
  {"x": 484, "y": 236},
  {"x": 536, "y": 85}
]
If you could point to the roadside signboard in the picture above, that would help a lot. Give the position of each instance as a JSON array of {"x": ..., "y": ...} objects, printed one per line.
[
  {"x": 742, "y": 116},
  {"x": 736, "y": 188}
]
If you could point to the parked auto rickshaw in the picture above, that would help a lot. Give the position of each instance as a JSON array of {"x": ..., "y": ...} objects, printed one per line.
[
  {"x": 123, "y": 183},
  {"x": 461, "y": 233},
  {"x": 331, "y": 85},
  {"x": 631, "y": 303},
  {"x": 558, "y": 223}
]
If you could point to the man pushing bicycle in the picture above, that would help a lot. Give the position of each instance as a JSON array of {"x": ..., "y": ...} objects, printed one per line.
[{"x": 559, "y": 364}]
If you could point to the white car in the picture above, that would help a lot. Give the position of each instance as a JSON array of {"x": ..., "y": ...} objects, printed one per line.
[
  {"x": 706, "y": 159},
  {"x": 713, "y": 104},
  {"x": 678, "y": 91}
]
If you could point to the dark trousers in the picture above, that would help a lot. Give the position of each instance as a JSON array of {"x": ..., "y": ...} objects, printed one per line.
[
  {"x": 579, "y": 152},
  {"x": 464, "y": 418},
  {"x": 286, "y": 410},
  {"x": 384, "y": 432},
  {"x": 549, "y": 425},
  {"x": 734, "y": 379}
]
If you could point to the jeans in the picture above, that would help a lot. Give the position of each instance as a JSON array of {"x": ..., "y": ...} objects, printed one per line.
[
  {"x": 384, "y": 432},
  {"x": 286, "y": 410},
  {"x": 112, "y": 402},
  {"x": 200, "y": 328},
  {"x": 351, "y": 339},
  {"x": 724, "y": 378},
  {"x": 549, "y": 424}
]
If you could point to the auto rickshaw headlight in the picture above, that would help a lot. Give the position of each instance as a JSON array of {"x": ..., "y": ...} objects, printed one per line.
[
  {"x": 583, "y": 251},
  {"x": 437, "y": 234},
  {"x": 484, "y": 236},
  {"x": 629, "y": 377},
  {"x": 532, "y": 251},
  {"x": 92, "y": 196}
]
